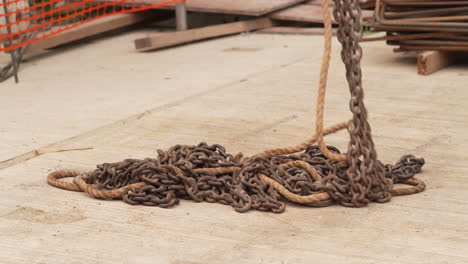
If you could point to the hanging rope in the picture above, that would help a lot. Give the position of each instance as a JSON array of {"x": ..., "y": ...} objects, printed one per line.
[{"x": 308, "y": 174}]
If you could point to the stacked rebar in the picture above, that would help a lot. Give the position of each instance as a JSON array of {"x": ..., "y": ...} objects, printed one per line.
[{"x": 423, "y": 24}]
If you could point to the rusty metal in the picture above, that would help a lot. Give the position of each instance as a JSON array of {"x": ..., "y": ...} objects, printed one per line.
[
  {"x": 423, "y": 25},
  {"x": 425, "y": 12},
  {"x": 425, "y": 3},
  {"x": 441, "y": 48},
  {"x": 178, "y": 174}
]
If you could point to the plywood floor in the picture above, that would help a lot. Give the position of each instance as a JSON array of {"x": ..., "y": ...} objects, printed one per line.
[{"x": 248, "y": 93}]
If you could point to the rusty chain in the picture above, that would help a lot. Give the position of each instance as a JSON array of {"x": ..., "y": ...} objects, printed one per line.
[
  {"x": 179, "y": 173},
  {"x": 304, "y": 174},
  {"x": 364, "y": 180}
]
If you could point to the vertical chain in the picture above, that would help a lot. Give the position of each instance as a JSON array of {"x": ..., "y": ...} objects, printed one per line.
[{"x": 365, "y": 177}]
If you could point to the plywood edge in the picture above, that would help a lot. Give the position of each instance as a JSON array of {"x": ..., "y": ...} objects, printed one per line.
[
  {"x": 182, "y": 37},
  {"x": 294, "y": 30},
  {"x": 301, "y": 13}
]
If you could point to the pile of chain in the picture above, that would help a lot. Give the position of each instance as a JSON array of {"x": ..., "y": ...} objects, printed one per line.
[
  {"x": 313, "y": 175},
  {"x": 207, "y": 173}
]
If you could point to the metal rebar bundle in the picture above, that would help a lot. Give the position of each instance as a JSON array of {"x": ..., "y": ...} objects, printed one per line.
[{"x": 423, "y": 24}]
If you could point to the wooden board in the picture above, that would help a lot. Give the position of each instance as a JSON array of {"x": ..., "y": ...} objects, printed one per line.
[
  {"x": 303, "y": 13},
  {"x": 93, "y": 28},
  {"x": 306, "y": 13},
  {"x": 176, "y": 38},
  {"x": 433, "y": 61},
  {"x": 294, "y": 30},
  {"x": 235, "y": 7},
  {"x": 317, "y": 2}
]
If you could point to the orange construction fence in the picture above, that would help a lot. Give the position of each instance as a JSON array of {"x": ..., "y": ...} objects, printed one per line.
[{"x": 23, "y": 22}]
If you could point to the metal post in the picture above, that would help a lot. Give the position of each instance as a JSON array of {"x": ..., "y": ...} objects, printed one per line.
[{"x": 181, "y": 16}]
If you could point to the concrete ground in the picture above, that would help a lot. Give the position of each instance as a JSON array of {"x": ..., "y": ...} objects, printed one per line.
[{"x": 247, "y": 92}]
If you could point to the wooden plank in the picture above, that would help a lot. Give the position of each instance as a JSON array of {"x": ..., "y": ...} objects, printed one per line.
[
  {"x": 303, "y": 13},
  {"x": 432, "y": 60},
  {"x": 176, "y": 38},
  {"x": 317, "y": 3},
  {"x": 294, "y": 30},
  {"x": 307, "y": 13},
  {"x": 93, "y": 28},
  {"x": 237, "y": 7}
]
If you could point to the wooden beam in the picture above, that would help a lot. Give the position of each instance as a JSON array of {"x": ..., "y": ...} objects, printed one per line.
[
  {"x": 294, "y": 30},
  {"x": 302, "y": 13},
  {"x": 176, "y": 38},
  {"x": 96, "y": 27},
  {"x": 432, "y": 60},
  {"x": 318, "y": 3}
]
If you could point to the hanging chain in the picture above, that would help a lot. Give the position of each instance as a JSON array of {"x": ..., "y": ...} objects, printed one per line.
[{"x": 364, "y": 180}]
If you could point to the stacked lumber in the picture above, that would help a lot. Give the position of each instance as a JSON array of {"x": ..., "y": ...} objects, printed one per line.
[{"x": 420, "y": 25}]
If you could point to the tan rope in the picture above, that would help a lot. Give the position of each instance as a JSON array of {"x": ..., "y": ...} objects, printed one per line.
[
  {"x": 328, "y": 34},
  {"x": 79, "y": 185},
  {"x": 54, "y": 179},
  {"x": 418, "y": 186},
  {"x": 306, "y": 166},
  {"x": 301, "y": 199},
  {"x": 313, "y": 198},
  {"x": 293, "y": 149},
  {"x": 217, "y": 171}
]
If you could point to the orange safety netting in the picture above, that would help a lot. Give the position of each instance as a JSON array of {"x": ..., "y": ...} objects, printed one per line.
[{"x": 23, "y": 22}]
